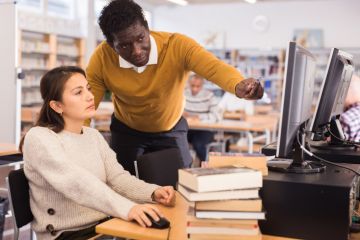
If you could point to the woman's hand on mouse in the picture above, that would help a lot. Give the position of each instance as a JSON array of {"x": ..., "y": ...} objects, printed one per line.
[
  {"x": 165, "y": 195},
  {"x": 138, "y": 211}
]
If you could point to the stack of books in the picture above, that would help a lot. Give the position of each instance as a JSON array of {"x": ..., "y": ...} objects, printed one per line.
[{"x": 226, "y": 203}]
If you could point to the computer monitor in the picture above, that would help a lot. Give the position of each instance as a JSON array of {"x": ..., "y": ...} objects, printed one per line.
[
  {"x": 296, "y": 110},
  {"x": 330, "y": 103}
]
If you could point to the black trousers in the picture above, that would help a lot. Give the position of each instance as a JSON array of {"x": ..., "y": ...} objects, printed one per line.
[
  {"x": 199, "y": 139},
  {"x": 129, "y": 143}
]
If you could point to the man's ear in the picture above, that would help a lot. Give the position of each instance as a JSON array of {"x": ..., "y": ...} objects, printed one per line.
[{"x": 56, "y": 106}]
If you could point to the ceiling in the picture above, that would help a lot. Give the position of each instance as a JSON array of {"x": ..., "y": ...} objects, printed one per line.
[
  {"x": 165, "y": 2},
  {"x": 157, "y": 3}
]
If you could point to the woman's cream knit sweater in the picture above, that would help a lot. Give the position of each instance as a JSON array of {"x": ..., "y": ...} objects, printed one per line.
[{"x": 75, "y": 180}]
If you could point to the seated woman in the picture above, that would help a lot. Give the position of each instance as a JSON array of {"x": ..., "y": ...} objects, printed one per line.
[{"x": 74, "y": 177}]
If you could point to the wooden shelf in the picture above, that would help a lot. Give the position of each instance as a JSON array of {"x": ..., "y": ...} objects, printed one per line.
[{"x": 38, "y": 53}]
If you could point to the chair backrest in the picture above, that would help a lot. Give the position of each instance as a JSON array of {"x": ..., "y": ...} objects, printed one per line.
[
  {"x": 160, "y": 167},
  {"x": 19, "y": 197}
]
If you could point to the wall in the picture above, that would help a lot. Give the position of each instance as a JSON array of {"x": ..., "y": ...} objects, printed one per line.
[
  {"x": 233, "y": 22},
  {"x": 10, "y": 86}
]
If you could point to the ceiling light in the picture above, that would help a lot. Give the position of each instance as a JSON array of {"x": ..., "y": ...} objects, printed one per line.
[
  {"x": 250, "y": 1},
  {"x": 179, "y": 2}
]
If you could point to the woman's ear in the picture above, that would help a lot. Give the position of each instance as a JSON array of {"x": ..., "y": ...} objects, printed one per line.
[{"x": 56, "y": 106}]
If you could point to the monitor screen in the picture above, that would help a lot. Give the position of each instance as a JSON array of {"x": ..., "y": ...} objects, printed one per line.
[
  {"x": 332, "y": 94},
  {"x": 297, "y": 96}
]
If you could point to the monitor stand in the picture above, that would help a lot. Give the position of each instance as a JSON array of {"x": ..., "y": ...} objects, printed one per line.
[
  {"x": 297, "y": 164},
  {"x": 337, "y": 140}
]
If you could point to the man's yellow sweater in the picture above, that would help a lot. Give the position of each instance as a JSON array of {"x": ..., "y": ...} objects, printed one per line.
[{"x": 153, "y": 101}]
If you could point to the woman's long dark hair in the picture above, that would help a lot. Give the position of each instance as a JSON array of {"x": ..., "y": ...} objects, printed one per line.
[{"x": 52, "y": 86}]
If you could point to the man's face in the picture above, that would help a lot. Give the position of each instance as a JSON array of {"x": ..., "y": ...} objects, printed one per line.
[
  {"x": 133, "y": 44},
  {"x": 196, "y": 85}
]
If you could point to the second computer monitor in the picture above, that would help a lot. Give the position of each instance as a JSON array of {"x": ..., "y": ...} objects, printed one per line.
[{"x": 332, "y": 94}]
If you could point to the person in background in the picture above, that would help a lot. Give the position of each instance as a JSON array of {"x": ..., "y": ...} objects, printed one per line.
[
  {"x": 230, "y": 103},
  {"x": 146, "y": 71},
  {"x": 201, "y": 105},
  {"x": 350, "y": 119},
  {"x": 75, "y": 180}
]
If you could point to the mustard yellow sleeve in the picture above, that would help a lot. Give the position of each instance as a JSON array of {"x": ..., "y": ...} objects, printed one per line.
[
  {"x": 95, "y": 77},
  {"x": 204, "y": 63}
]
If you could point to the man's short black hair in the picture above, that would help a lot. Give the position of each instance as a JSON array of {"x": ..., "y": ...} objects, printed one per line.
[{"x": 119, "y": 15}]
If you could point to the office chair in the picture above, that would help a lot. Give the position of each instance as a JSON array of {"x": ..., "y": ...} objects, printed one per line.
[
  {"x": 18, "y": 191},
  {"x": 159, "y": 167}
]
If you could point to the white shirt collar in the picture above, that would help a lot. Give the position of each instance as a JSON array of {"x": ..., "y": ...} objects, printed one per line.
[{"x": 153, "y": 58}]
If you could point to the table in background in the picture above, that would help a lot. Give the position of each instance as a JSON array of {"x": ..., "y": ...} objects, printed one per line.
[{"x": 234, "y": 126}]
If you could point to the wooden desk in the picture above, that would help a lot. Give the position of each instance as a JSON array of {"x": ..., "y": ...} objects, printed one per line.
[
  {"x": 177, "y": 217},
  {"x": 235, "y": 126},
  {"x": 102, "y": 116},
  {"x": 232, "y": 126},
  {"x": 8, "y": 149},
  {"x": 263, "y": 109},
  {"x": 234, "y": 115}
]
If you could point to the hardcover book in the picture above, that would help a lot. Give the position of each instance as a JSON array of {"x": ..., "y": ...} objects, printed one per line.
[
  {"x": 221, "y": 178},
  {"x": 229, "y": 214},
  {"x": 251, "y": 205},
  {"x": 191, "y": 195}
]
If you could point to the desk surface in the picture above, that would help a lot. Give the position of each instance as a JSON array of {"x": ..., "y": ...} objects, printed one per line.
[
  {"x": 176, "y": 215},
  {"x": 8, "y": 149},
  {"x": 232, "y": 125}
]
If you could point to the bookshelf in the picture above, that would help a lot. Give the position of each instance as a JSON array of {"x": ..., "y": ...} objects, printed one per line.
[
  {"x": 38, "y": 53},
  {"x": 265, "y": 64},
  {"x": 70, "y": 51}
]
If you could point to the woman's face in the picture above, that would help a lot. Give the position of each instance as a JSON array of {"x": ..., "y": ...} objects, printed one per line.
[{"x": 77, "y": 100}]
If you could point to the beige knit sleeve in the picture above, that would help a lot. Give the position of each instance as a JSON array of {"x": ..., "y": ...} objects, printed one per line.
[
  {"x": 121, "y": 180},
  {"x": 45, "y": 156}
]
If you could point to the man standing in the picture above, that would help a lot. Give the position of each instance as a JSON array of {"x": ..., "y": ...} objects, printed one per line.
[{"x": 146, "y": 72}]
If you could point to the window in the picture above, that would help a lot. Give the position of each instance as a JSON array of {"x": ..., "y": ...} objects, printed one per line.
[
  {"x": 31, "y": 5},
  {"x": 98, "y": 6},
  {"x": 61, "y": 8}
]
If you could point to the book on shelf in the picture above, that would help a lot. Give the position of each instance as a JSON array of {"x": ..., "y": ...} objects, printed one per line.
[
  {"x": 229, "y": 214},
  {"x": 191, "y": 195},
  {"x": 251, "y": 205},
  {"x": 256, "y": 161},
  {"x": 220, "y": 178},
  {"x": 223, "y": 237}
]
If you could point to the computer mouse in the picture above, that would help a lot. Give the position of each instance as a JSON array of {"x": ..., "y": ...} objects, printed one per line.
[{"x": 161, "y": 224}]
